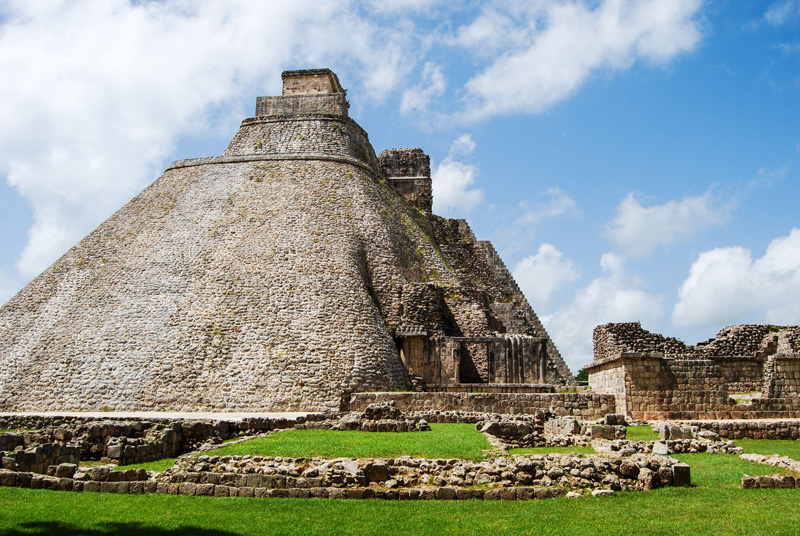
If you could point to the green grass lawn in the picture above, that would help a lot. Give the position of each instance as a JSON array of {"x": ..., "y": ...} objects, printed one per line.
[
  {"x": 158, "y": 465},
  {"x": 716, "y": 505},
  {"x": 443, "y": 441},
  {"x": 768, "y": 447},
  {"x": 641, "y": 433}
]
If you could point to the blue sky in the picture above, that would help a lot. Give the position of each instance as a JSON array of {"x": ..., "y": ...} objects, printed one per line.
[{"x": 629, "y": 160}]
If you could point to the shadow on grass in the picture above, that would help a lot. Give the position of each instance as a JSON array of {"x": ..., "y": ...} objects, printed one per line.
[{"x": 108, "y": 529}]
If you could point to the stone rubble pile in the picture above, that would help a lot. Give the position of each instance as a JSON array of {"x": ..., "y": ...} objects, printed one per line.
[
  {"x": 38, "y": 458},
  {"x": 572, "y": 471},
  {"x": 509, "y": 478},
  {"x": 672, "y": 446}
]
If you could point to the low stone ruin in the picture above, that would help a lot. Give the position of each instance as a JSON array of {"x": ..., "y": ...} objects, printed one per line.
[
  {"x": 541, "y": 429},
  {"x": 38, "y": 458},
  {"x": 377, "y": 417},
  {"x": 509, "y": 478},
  {"x": 132, "y": 441},
  {"x": 664, "y": 448},
  {"x": 608, "y": 431}
]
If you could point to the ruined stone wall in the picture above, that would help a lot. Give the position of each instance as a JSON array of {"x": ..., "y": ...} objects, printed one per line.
[
  {"x": 409, "y": 171},
  {"x": 612, "y": 340},
  {"x": 609, "y": 378},
  {"x": 782, "y": 378},
  {"x": 648, "y": 387},
  {"x": 749, "y": 429},
  {"x": 580, "y": 405},
  {"x": 742, "y": 340},
  {"x": 742, "y": 375}
]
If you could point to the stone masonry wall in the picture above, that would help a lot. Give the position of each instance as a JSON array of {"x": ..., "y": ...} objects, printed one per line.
[
  {"x": 659, "y": 388},
  {"x": 749, "y": 429},
  {"x": 580, "y": 405},
  {"x": 742, "y": 375},
  {"x": 782, "y": 379},
  {"x": 303, "y": 136},
  {"x": 325, "y": 105},
  {"x": 612, "y": 340},
  {"x": 744, "y": 340},
  {"x": 609, "y": 378}
]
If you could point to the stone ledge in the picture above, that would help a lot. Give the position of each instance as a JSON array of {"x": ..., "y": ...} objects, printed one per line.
[{"x": 193, "y": 162}]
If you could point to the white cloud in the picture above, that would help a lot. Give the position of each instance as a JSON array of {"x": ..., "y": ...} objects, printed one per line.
[
  {"x": 95, "y": 94},
  {"x": 613, "y": 297},
  {"x": 453, "y": 191},
  {"x": 566, "y": 42},
  {"x": 417, "y": 98},
  {"x": 494, "y": 31},
  {"x": 397, "y": 6},
  {"x": 556, "y": 203},
  {"x": 726, "y": 285},
  {"x": 543, "y": 274},
  {"x": 638, "y": 230},
  {"x": 783, "y": 12}
]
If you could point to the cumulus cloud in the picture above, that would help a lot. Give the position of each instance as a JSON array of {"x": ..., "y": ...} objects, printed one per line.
[
  {"x": 453, "y": 180},
  {"x": 782, "y": 12},
  {"x": 613, "y": 297},
  {"x": 95, "y": 94},
  {"x": 496, "y": 29},
  {"x": 541, "y": 275},
  {"x": 548, "y": 49},
  {"x": 397, "y": 6},
  {"x": 433, "y": 84},
  {"x": 638, "y": 230},
  {"x": 727, "y": 285}
]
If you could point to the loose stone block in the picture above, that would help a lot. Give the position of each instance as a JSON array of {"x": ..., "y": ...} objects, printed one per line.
[{"x": 681, "y": 475}]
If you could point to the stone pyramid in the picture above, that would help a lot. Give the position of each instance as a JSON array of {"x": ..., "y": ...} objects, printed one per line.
[{"x": 290, "y": 271}]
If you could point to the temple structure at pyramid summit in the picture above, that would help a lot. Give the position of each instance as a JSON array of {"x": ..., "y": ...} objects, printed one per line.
[{"x": 293, "y": 270}]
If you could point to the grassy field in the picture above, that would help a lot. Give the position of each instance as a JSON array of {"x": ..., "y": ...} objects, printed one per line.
[
  {"x": 715, "y": 505},
  {"x": 768, "y": 447},
  {"x": 158, "y": 465},
  {"x": 443, "y": 441},
  {"x": 641, "y": 433}
]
